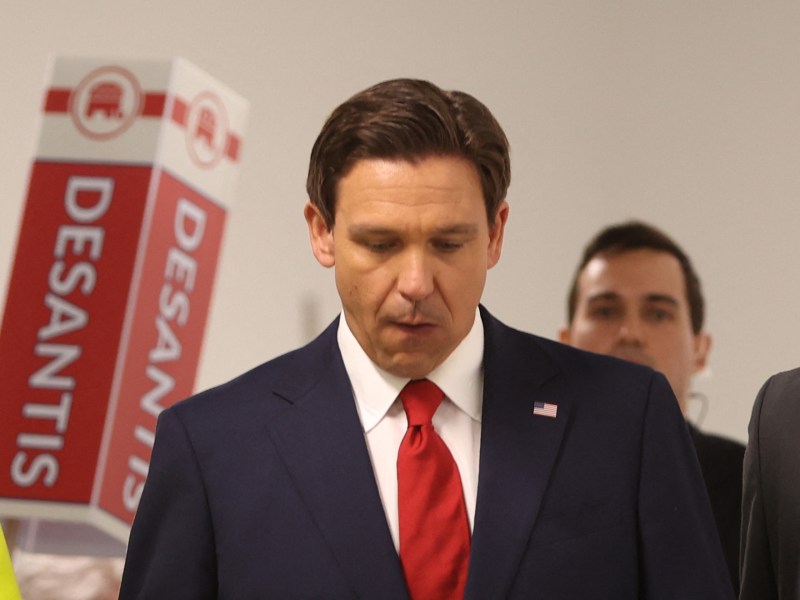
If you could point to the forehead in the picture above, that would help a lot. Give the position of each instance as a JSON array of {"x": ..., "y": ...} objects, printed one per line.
[
  {"x": 391, "y": 184},
  {"x": 633, "y": 275}
]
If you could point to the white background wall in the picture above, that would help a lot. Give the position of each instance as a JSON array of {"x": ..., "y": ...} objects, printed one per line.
[{"x": 683, "y": 113}]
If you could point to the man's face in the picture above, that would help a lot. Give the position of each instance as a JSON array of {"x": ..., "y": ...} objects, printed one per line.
[
  {"x": 411, "y": 246},
  {"x": 633, "y": 305}
]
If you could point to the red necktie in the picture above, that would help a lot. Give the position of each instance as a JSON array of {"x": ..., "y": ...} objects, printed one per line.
[{"x": 434, "y": 530}]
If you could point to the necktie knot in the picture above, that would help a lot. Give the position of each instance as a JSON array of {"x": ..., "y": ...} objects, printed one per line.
[{"x": 420, "y": 398}]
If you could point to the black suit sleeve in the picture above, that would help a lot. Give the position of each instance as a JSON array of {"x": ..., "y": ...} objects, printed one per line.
[{"x": 680, "y": 552}]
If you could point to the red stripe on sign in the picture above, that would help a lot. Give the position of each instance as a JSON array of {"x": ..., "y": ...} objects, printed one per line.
[
  {"x": 232, "y": 147},
  {"x": 57, "y": 100},
  {"x": 180, "y": 111},
  {"x": 154, "y": 104}
]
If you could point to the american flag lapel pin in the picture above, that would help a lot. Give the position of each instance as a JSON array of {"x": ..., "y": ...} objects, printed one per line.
[{"x": 545, "y": 409}]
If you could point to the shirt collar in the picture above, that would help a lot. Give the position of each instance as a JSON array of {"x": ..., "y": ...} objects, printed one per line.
[{"x": 460, "y": 376}]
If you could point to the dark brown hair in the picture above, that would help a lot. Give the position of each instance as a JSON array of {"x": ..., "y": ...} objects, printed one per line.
[
  {"x": 635, "y": 235},
  {"x": 408, "y": 119}
]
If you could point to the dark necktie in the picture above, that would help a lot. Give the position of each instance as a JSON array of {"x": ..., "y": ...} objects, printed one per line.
[{"x": 434, "y": 530}]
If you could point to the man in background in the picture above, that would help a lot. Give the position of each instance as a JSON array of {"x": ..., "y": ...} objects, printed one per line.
[
  {"x": 771, "y": 508},
  {"x": 635, "y": 295}
]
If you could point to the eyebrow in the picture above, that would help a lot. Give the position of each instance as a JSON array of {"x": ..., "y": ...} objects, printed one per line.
[
  {"x": 609, "y": 296},
  {"x": 463, "y": 229},
  {"x": 366, "y": 230}
]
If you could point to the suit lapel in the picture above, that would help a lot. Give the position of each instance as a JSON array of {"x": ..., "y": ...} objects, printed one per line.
[
  {"x": 518, "y": 451},
  {"x": 320, "y": 439}
]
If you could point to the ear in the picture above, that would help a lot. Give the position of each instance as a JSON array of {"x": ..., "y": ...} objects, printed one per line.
[
  {"x": 702, "y": 347},
  {"x": 321, "y": 237},
  {"x": 564, "y": 336},
  {"x": 496, "y": 232}
]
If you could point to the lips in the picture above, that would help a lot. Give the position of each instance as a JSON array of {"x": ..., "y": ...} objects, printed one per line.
[
  {"x": 414, "y": 327},
  {"x": 411, "y": 320}
]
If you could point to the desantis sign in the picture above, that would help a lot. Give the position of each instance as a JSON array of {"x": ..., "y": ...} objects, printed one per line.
[{"x": 110, "y": 288}]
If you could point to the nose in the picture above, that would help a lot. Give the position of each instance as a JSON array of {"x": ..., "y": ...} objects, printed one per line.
[
  {"x": 415, "y": 278},
  {"x": 631, "y": 331}
]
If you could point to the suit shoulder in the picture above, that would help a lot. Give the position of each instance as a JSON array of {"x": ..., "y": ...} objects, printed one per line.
[
  {"x": 577, "y": 368},
  {"x": 790, "y": 376},
  {"x": 776, "y": 402},
  {"x": 569, "y": 355},
  {"x": 783, "y": 384},
  {"x": 569, "y": 358},
  {"x": 292, "y": 371}
]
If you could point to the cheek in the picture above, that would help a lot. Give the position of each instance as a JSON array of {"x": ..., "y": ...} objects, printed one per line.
[
  {"x": 461, "y": 286},
  {"x": 589, "y": 340},
  {"x": 674, "y": 355},
  {"x": 592, "y": 336},
  {"x": 678, "y": 348},
  {"x": 364, "y": 290}
]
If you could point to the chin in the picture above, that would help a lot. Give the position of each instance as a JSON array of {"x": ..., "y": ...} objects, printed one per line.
[
  {"x": 410, "y": 371},
  {"x": 410, "y": 367}
]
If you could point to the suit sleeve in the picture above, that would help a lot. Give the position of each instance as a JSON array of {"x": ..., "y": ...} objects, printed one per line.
[
  {"x": 171, "y": 547},
  {"x": 756, "y": 569},
  {"x": 680, "y": 552}
]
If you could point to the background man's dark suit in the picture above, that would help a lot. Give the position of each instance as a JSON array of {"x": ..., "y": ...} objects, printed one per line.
[
  {"x": 721, "y": 462},
  {"x": 771, "y": 507},
  {"x": 265, "y": 487}
]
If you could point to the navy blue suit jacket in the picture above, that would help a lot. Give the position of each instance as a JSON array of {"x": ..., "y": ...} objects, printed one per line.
[{"x": 263, "y": 487}]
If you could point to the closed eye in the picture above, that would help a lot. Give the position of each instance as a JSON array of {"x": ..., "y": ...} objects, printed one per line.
[
  {"x": 448, "y": 245},
  {"x": 380, "y": 246}
]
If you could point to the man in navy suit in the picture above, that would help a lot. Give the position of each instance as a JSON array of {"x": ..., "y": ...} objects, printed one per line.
[{"x": 579, "y": 479}]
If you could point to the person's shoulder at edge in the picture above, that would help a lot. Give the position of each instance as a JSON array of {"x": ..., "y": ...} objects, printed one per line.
[
  {"x": 790, "y": 377},
  {"x": 773, "y": 400}
]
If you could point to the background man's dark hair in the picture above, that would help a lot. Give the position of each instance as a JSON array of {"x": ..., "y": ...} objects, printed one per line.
[
  {"x": 635, "y": 235},
  {"x": 408, "y": 119}
]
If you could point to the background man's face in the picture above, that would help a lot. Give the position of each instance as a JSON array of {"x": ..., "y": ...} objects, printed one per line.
[
  {"x": 633, "y": 305},
  {"x": 411, "y": 246}
]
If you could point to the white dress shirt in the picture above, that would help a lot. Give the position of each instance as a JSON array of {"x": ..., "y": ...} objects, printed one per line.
[{"x": 457, "y": 420}]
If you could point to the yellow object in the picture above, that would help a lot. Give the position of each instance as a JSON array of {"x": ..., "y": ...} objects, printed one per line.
[{"x": 8, "y": 582}]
